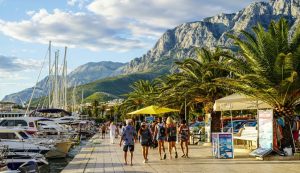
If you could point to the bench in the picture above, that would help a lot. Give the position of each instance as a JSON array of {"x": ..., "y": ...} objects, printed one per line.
[{"x": 248, "y": 135}]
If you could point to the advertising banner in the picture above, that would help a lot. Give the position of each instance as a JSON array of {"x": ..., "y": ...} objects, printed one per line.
[
  {"x": 265, "y": 129},
  {"x": 225, "y": 146},
  {"x": 222, "y": 145},
  {"x": 149, "y": 119}
]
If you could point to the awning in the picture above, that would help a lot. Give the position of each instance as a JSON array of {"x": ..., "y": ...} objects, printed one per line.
[
  {"x": 153, "y": 110},
  {"x": 239, "y": 102}
]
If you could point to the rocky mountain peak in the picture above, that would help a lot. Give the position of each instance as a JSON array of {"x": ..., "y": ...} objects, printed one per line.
[
  {"x": 179, "y": 42},
  {"x": 286, "y": 7}
]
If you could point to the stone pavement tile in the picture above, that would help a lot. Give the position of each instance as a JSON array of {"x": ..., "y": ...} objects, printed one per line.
[{"x": 106, "y": 157}]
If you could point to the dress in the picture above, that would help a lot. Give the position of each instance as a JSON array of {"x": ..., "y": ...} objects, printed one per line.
[{"x": 112, "y": 133}]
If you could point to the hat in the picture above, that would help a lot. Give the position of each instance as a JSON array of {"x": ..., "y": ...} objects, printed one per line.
[{"x": 143, "y": 124}]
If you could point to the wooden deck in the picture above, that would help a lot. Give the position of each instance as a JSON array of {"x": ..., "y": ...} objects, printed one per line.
[{"x": 100, "y": 156}]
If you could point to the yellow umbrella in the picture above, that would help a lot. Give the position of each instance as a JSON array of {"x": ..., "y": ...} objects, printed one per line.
[{"x": 153, "y": 110}]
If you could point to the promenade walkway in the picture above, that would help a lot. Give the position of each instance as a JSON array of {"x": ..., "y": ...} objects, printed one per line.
[{"x": 100, "y": 156}]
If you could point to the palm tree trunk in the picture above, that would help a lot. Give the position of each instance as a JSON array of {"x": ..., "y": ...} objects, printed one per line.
[{"x": 215, "y": 121}]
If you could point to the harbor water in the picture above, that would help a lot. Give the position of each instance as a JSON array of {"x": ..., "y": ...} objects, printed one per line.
[{"x": 57, "y": 165}]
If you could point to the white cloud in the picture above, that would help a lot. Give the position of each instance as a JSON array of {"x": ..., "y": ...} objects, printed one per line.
[
  {"x": 13, "y": 64},
  {"x": 152, "y": 17},
  {"x": 113, "y": 24},
  {"x": 71, "y": 29},
  {"x": 79, "y": 3},
  {"x": 30, "y": 13}
]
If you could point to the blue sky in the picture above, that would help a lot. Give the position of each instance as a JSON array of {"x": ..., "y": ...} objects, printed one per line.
[{"x": 93, "y": 30}]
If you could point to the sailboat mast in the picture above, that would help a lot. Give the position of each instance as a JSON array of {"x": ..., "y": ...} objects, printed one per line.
[
  {"x": 49, "y": 77},
  {"x": 56, "y": 97},
  {"x": 65, "y": 79}
]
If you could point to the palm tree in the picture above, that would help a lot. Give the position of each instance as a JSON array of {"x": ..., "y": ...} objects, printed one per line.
[
  {"x": 95, "y": 108},
  {"x": 195, "y": 81},
  {"x": 143, "y": 94},
  {"x": 268, "y": 69}
]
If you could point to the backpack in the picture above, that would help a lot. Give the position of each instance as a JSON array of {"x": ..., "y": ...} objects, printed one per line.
[
  {"x": 162, "y": 131},
  {"x": 173, "y": 131}
]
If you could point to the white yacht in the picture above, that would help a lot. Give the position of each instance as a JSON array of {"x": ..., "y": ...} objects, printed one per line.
[{"x": 56, "y": 147}]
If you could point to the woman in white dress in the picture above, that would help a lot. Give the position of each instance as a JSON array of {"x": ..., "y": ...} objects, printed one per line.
[{"x": 112, "y": 133}]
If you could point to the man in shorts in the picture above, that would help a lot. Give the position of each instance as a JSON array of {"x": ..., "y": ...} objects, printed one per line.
[{"x": 128, "y": 137}]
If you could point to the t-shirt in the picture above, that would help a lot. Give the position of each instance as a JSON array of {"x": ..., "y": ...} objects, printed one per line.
[{"x": 128, "y": 134}]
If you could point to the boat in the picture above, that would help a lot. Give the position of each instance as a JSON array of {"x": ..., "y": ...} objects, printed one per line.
[
  {"x": 23, "y": 146},
  {"x": 57, "y": 148},
  {"x": 15, "y": 160},
  {"x": 26, "y": 123}
]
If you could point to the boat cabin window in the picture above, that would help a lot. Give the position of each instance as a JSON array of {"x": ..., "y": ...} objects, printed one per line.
[
  {"x": 10, "y": 123},
  {"x": 8, "y": 136},
  {"x": 24, "y": 136}
]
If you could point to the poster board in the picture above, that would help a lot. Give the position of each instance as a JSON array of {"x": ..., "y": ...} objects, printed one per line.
[
  {"x": 265, "y": 128},
  {"x": 214, "y": 139},
  {"x": 222, "y": 145},
  {"x": 149, "y": 119},
  {"x": 265, "y": 133}
]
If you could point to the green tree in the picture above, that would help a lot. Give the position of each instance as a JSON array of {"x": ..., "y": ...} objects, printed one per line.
[
  {"x": 267, "y": 68},
  {"x": 143, "y": 94},
  {"x": 195, "y": 81},
  {"x": 95, "y": 108}
]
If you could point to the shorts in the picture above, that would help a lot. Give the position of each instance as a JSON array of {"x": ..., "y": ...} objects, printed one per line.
[
  {"x": 161, "y": 138},
  {"x": 184, "y": 138},
  {"x": 172, "y": 139},
  {"x": 130, "y": 147},
  {"x": 145, "y": 144},
  {"x": 103, "y": 131}
]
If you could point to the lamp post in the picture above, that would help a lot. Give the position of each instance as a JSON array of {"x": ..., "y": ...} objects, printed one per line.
[{"x": 185, "y": 116}]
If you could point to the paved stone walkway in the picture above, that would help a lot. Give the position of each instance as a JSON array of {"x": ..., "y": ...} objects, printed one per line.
[{"x": 100, "y": 156}]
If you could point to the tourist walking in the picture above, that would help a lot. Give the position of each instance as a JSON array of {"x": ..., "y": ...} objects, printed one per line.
[
  {"x": 112, "y": 133},
  {"x": 103, "y": 129},
  {"x": 128, "y": 138},
  {"x": 145, "y": 140},
  {"x": 184, "y": 134},
  {"x": 171, "y": 136},
  {"x": 160, "y": 134}
]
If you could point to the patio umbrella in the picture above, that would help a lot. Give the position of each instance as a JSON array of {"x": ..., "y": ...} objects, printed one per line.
[{"x": 153, "y": 110}]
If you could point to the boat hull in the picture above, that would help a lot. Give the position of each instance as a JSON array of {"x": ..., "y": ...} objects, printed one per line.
[{"x": 60, "y": 150}]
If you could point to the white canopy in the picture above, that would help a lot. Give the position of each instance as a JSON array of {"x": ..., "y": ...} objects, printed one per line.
[{"x": 239, "y": 102}]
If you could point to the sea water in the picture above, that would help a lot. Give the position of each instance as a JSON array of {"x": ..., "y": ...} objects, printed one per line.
[{"x": 57, "y": 165}]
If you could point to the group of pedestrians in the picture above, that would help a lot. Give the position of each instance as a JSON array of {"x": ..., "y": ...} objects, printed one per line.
[{"x": 164, "y": 131}]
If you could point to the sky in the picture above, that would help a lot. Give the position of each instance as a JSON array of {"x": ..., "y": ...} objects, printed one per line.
[{"x": 93, "y": 31}]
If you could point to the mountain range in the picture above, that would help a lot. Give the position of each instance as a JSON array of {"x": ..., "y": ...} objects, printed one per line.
[{"x": 180, "y": 42}]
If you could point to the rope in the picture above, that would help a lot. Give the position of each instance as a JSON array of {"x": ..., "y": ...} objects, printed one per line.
[{"x": 27, "y": 110}]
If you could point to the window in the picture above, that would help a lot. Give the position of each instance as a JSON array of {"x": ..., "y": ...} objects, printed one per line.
[
  {"x": 12, "y": 123},
  {"x": 67, "y": 119},
  {"x": 20, "y": 123},
  {"x": 3, "y": 123},
  {"x": 24, "y": 136},
  {"x": 8, "y": 136}
]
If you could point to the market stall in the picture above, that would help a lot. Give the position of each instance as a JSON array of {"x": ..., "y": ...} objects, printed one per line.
[{"x": 238, "y": 102}]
